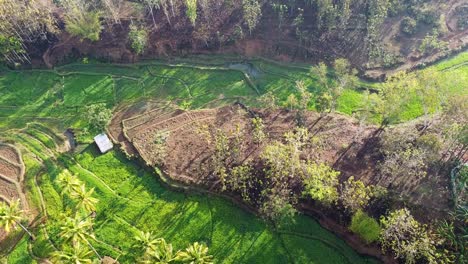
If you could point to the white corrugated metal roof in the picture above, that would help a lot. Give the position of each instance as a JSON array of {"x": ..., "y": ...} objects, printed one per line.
[{"x": 103, "y": 142}]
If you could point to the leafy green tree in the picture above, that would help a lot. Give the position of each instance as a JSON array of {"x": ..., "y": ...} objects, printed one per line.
[
  {"x": 138, "y": 37},
  {"x": 196, "y": 253},
  {"x": 355, "y": 195},
  {"x": 431, "y": 43},
  {"x": 321, "y": 72},
  {"x": 241, "y": 179},
  {"x": 327, "y": 14},
  {"x": 76, "y": 191},
  {"x": 320, "y": 182},
  {"x": 292, "y": 102},
  {"x": 408, "y": 25},
  {"x": 277, "y": 204},
  {"x": 191, "y": 10},
  {"x": 282, "y": 160},
  {"x": 220, "y": 158},
  {"x": 11, "y": 47},
  {"x": 305, "y": 95},
  {"x": 394, "y": 94},
  {"x": 98, "y": 116},
  {"x": 406, "y": 157},
  {"x": 431, "y": 92},
  {"x": 252, "y": 13},
  {"x": 11, "y": 215},
  {"x": 258, "y": 132},
  {"x": 376, "y": 12},
  {"x": 324, "y": 103},
  {"x": 345, "y": 78},
  {"x": 81, "y": 20},
  {"x": 269, "y": 101},
  {"x": 407, "y": 238},
  {"x": 78, "y": 230}
]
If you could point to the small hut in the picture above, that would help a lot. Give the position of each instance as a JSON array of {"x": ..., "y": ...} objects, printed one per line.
[{"x": 103, "y": 142}]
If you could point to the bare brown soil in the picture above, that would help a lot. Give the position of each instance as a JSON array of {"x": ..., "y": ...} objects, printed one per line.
[
  {"x": 130, "y": 114},
  {"x": 9, "y": 170},
  {"x": 11, "y": 178},
  {"x": 9, "y": 154},
  {"x": 338, "y": 141}
]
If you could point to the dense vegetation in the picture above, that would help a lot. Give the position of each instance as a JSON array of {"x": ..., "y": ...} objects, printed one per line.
[{"x": 219, "y": 23}]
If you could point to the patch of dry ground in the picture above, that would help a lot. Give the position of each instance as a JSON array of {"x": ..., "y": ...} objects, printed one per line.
[
  {"x": 11, "y": 178},
  {"x": 338, "y": 141}
]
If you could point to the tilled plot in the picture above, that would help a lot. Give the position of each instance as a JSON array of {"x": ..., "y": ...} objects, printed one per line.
[
  {"x": 144, "y": 140},
  {"x": 9, "y": 154},
  {"x": 10, "y": 170},
  {"x": 190, "y": 145},
  {"x": 134, "y": 131},
  {"x": 131, "y": 116},
  {"x": 8, "y": 190}
]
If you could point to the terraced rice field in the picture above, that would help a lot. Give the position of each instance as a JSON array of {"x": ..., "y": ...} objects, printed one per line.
[{"x": 37, "y": 106}]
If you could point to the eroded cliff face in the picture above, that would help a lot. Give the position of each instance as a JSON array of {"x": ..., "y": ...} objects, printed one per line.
[{"x": 406, "y": 37}]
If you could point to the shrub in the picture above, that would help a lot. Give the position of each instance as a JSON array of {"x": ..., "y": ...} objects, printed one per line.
[
  {"x": 85, "y": 25},
  {"x": 431, "y": 43},
  {"x": 138, "y": 39},
  {"x": 98, "y": 116},
  {"x": 408, "y": 238},
  {"x": 408, "y": 25},
  {"x": 365, "y": 226}
]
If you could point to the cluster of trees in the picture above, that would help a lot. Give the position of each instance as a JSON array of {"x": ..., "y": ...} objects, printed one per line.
[
  {"x": 152, "y": 249},
  {"x": 332, "y": 81},
  {"x": 408, "y": 154},
  {"x": 98, "y": 116},
  {"x": 24, "y": 22},
  {"x": 75, "y": 238}
]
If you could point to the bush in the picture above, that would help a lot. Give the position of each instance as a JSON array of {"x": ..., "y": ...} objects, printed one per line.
[
  {"x": 431, "y": 43},
  {"x": 98, "y": 116},
  {"x": 365, "y": 226},
  {"x": 427, "y": 15},
  {"x": 408, "y": 26},
  {"x": 85, "y": 25},
  {"x": 138, "y": 39}
]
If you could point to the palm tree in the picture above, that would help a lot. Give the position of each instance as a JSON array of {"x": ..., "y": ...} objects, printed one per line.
[
  {"x": 77, "y": 254},
  {"x": 78, "y": 231},
  {"x": 146, "y": 241},
  {"x": 195, "y": 254},
  {"x": 84, "y": 199},
  {"x": 164, "y": 253},
  {"x": 68, "y": 182},
  {"x": 11, "y": 215}
]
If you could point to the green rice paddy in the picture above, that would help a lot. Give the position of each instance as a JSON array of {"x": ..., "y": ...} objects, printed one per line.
[{"x": 130, "y": 197}]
